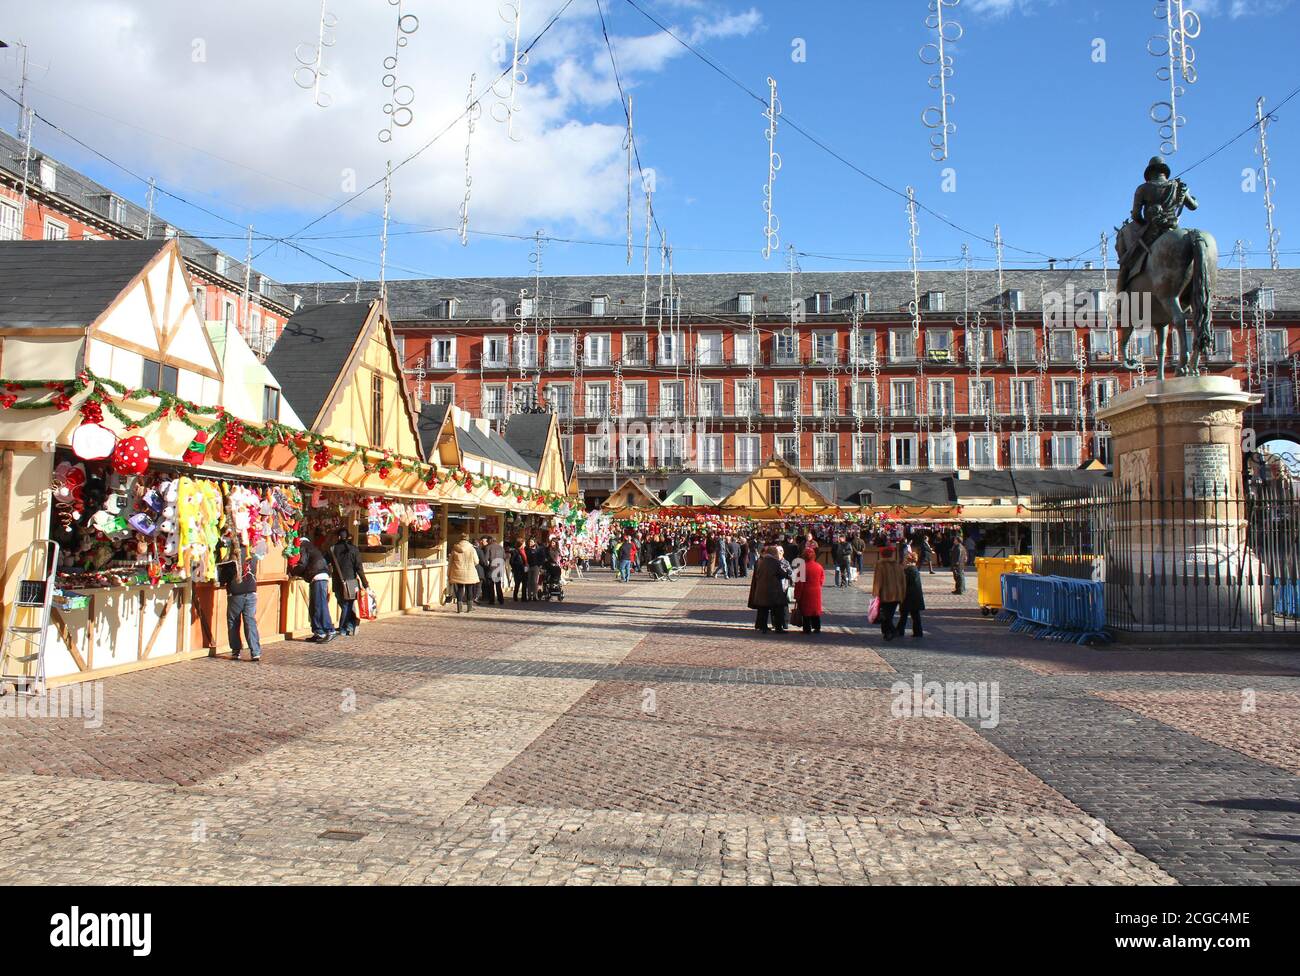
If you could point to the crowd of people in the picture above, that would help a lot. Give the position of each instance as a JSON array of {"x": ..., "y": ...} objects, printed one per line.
[{"x": 481, "y": 571}]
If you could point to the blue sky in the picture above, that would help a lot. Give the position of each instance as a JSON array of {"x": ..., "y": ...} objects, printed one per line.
[{"x": 1049, "y": 141}]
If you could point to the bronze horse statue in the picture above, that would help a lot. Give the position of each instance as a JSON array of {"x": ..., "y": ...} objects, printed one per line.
[{"x": 1177, "y": 280}]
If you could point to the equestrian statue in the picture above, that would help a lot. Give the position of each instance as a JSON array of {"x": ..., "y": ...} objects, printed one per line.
[{"x": 1173, "y": 268}]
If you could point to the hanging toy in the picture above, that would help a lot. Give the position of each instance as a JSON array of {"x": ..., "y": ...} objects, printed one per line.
[
  {"x": 92, "y": 441},
  {"x": 197, "y": 452},
  {"x": 131, "y": 456}
]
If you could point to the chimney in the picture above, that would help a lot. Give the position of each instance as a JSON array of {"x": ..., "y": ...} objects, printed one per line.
[
  {"x": 1051, "y": 264},
  {"x": 963, "y": 474},
  {"x": 905, "y": 484}
]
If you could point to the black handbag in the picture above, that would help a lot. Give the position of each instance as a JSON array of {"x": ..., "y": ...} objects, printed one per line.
[{"x": 351, "y": 587}]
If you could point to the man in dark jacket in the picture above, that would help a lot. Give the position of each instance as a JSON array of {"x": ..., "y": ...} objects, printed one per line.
[
  {"x": 241, "y": 599},
  {"x": 914, "y": 600},
  {"x": 841, "y": 554},
  {"x": 349, "y": 580},
  {"x": 519, "y": 568},
  {"x": 767, "y": 591},
  {"x": 313, "y": 568}
]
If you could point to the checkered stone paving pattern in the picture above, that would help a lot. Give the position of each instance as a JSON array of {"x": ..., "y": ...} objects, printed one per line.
[{"x": 643, "y": 733}]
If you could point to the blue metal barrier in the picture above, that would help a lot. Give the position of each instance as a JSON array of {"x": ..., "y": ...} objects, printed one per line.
[
  {"x": 1054, "y": 608},
  {"x": 1287, "y": 598}
]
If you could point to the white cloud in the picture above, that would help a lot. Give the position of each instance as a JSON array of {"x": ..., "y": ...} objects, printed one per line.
[{"x": 101, "y": 63}]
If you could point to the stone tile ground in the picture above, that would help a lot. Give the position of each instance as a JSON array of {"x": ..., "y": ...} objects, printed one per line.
[{"x": 643, "y": 733}]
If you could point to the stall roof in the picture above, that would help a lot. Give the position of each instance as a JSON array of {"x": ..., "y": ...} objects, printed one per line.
[
  {"x": 66, "y": 284},
  {"x": 526, "y": 433},
  {"x": 312, "y": 351},
  {"x": 428, "y": 424},
  {"x": 489, "y": 447}
]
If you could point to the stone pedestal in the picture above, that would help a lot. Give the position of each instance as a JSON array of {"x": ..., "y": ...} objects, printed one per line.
[{"x": 1178, "y": 528}]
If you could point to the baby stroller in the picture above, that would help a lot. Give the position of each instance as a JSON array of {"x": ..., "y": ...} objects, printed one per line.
[
  {"x": 668, "y": 566},
  {"x": 552, "y": 582}
]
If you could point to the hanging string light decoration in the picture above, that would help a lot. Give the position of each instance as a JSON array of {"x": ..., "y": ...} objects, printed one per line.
[
  {"x": 771, "y": 237},
  {"x": 398, "y": 107},
  {"x": 1178, "y": 70},
  {"x": 505, "y": 107},
  {"x": 1274, "y": 235},
  {"x": 473, "y": 111},
  {"x": 946, "y": 31},
  {"x": 311, "y": 59},
  {"x": 629, "y": 146}
]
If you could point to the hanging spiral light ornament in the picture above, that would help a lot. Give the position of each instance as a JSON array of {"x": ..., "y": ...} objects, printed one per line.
[
  {"x": 771, "y": 236},
  {"x": 946, "y": 31},
  {"x": 311, "y": 60},
  {"x": 507, "y": 87},
  {"x": 398, "y": 106},
  {"x": 473, "y": 110},
  {"x": 1178, "y": 70},
  {"x": 1274, "y": 235}
]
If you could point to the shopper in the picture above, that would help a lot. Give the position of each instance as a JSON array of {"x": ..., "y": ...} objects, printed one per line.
[
  {"x": 924, "y": 553},
  {"x": 841, "y": 554},
  {"x": 913, "y": 598},
  {"x": 495, "y": 555},
  {"x": 626, "y": 553},
  {"x": 519, "y": 568},
  {"x": 808, "y": 594},
  {"x": 537, "y": 555},
  {"x": 464, "y": 574},
  {"x": 313, "y": 568},
  {"x": 958, "y": 564},
  {"x": 349, "y": 581},
  {"x": 889, "y": 586},
  {"x": 768, "y": 595},
  {"x": 241, "y": 600}
]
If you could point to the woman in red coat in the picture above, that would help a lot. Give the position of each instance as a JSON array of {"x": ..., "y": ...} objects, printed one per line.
[{"x": 808, "y": 594}]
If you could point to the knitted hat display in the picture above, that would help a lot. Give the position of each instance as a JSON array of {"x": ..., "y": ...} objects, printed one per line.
[{"x": 131, "y": 456}]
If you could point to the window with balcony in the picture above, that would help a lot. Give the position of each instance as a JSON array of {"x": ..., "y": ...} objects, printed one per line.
[
  {"x": 902, "y": 346},
  {"x": 1023, "y": 347},
  {"x": 1062, "y": 341},
  {"x": 709, "y": 348},
  {"x": 672, "y": 398},
  {"x": 743, "y": 348},
  {"x": 747, "y": 451},
  {"x": 669, "y": 350},
  {"x": 10, "y": 221},
  {"x": 823, "y": 348},
  {"x": 1274, "y": 345},
  {"x": 525, "y": 352},
  {"x": 747, "y": 404},
  {"x": 1101, "y": 344},
  {"x": 1024, "y": 397},
  {"x": 1222, "y": 346},
  {"x": 635, "y": 349},
  {"x": 494, "y": 401},
  {"x": 942, "y": 398},
  {"x": 979, "y": 345},
  {"x": 982, "y": 401},
  {"x": 596, "y": 400},
  {"x": 943, "y": 451},
  {"x": 826, "y": 452},
  {"x": 710, "y": 399},
  {"x": 1024, "y": 450},
  {"x": 560, "y": 353},
  {"x": 902, "y": 398},
  {"x": 1065, "y": 451},
  {"x": 495, "y": 351},
  {"x": 1103, "y": 391},
  {"x": 983, "y": 451},
  {"x": 787, "y": 398},
  {"x": 864, "y": 398},
  {"x": 865, "y": 349},
  {"x": 866, "y": 451},
  {"x": 559, "y": 397},
  {"x": 595, "y": 349},
  {"x": 825, "y": 398},
  {"x": 786, "y": 346},
  {"x": 636, "y": 399},
  {"x": 442, "y": 353},
  {"x": 670, "y": 451},
  {"x": 709, "y": 452},
  {"x": 1065, "y": 396},
  {"x": 902, "y": 451},
  {"x": 597, "y": 451},
  {"x": 938, "y": 345},
  {"x": 635, "y": 450},
  {"x": 787, "y": 448},
  {"x": 442, "y": 393},
  {"x": 1101, "y": 447}
]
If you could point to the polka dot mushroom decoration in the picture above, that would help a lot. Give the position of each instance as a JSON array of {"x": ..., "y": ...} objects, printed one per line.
[{"x": 131, "y": 456}]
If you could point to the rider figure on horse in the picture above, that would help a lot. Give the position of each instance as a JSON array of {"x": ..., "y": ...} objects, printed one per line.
[{"x": 1157, "y": 204}]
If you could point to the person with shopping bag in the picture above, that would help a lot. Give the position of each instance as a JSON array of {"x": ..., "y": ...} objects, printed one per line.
[
  {"x": 889, "y": 588},
  {"x": 349, "y": 581}
]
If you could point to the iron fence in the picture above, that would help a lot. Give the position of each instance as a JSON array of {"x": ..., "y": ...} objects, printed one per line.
[{"x": 1195, "y": 557}]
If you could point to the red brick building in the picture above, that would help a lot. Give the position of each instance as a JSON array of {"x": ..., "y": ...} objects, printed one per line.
[
  {"x": 989, "y": 374},
  {"x": 63, "y": 204}
]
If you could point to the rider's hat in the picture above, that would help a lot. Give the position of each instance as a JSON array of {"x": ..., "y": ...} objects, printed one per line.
[{"x": 1157, "y": 165}]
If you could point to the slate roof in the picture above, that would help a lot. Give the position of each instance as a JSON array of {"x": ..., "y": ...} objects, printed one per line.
[
  {"x": 489, "y": 447},
  {"x": 526, "y": 433},
  {"x": 85, "y": 193},
  {"x": 427, "y": 425},
  {"x": 928, "y": 487},
  {"x": 422, "y": 301},
  {"x": 51, "y": 284},
  {"x": 311, "y": 353}
]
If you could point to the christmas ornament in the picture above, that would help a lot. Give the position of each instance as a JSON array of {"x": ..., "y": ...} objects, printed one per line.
[
  {"x": 197, "y": 452},
  {"x": 131, "y": 456},
  {"x": 92, "y": 441}
]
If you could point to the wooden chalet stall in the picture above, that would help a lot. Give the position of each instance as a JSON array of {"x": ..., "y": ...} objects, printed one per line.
[{"x": 106, "y": 362}]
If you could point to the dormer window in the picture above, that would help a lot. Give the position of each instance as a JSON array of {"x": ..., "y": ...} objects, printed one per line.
[
  {"x": 862, "y": 301},
  {"x": 745, "y": 303},
  {"x": 934, "y": 301},
  {"x": 1015, "y": 300},
  {"x": 527, "y": 307},
  {"x": 220, "y": 261},
  {"x": 1265, "y": 299},
  {"x": 449, "y": 308},
  {"x": 822, "y": 303},
  {"x": 48, "y": 174},
  {"x": 599, "y": 305}
]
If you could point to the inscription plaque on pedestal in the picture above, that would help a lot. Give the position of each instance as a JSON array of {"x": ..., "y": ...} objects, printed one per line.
[{"x": 1206, "y": 468}]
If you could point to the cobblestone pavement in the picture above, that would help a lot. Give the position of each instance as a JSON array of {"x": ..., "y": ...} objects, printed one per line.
[{"x": 643, "y": 733}]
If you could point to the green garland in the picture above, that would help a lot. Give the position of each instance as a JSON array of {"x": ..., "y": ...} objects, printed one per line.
[{"x": 303, "y": 444}]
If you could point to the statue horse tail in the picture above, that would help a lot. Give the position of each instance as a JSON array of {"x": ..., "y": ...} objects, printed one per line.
[{"x": 1200, "y": 301}]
